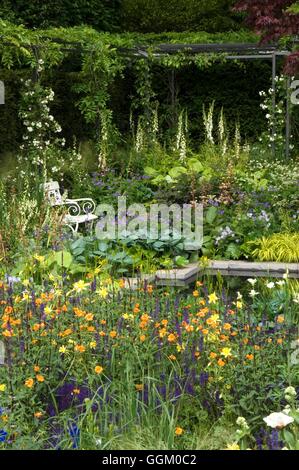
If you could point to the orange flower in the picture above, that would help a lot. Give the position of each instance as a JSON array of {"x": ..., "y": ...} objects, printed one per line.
[
  {"x": 76, "y": 391},
  {"x": 178, "y": 431},
  {"x": 205, "y": 331},
  {"x": 162, "y": 332},
  {"x": 80, "y": 348},
  {"x": 36, "y": 368},
  {"x": 250, "y": 357},
  {"x": 213, "y": 355},
  {"x": 79, "y": 313},
  {"x": 29, "y": 383},
  {"x": 38, "y": 414},
  {"x": 279, "y": 341},
  {"x": 172, "y": 357},
  {"x": 139, "y": 387},
  {"x": 121, "y": 283},
  {"x": 280, "y": 319},
  {"x": 197, "y": 354},
  {"x": 171, "y": 338},
  {"x": 136, "y": 309},
  {"x": 40, "y": 378},
  {"x": 89, "y": 317},
  {"x": 7, "y": 333},
  {"x": 98, "y": 369},
  {"x": 66, "y": 332},
  {"x": 113, "y": 334},
  {"x": 195, "y": 293},
  {"x": 142, "y": 338},
  {"x": 103, "y": 322},
  {"x": 150, "y": 289},
  {"x": 227, "y": 326},
  {"x": 221, "y": 362},
  {"x": 256, "y": 347},
  {"x": 102, "y": 333},
  {"x": 8, "y": 310}
]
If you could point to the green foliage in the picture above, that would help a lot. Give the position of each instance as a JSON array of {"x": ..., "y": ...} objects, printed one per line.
[
  {"x": 175, "y": 15},
  {"x": 282, "y": 247},
  {"x": 101, "y": 14}
]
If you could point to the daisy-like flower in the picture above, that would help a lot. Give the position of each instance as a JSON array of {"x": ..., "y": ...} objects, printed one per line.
[
  {"x": 233, "y": 446},
  {"x": 253, "y": 293},
  {"x": 80, "y": 286},
  {"x": 278, "y": 420},
  {"x": 213, "y": 298},
  {"x": 252, "y": 281},
  {"x": 270, "y": 285},
  {"x": 226, "y": 352},
  {"x": 178, "y": 431}
]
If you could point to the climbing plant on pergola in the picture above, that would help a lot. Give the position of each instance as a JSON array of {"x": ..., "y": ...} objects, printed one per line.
[{"x": 106, "y": 55}]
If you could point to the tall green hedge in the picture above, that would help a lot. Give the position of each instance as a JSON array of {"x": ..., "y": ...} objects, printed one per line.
[
  {"x": 179, "y": 15},
  {"x": 101, "y": 14}
]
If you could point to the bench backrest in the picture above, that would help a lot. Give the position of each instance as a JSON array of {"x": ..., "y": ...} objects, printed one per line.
[{"x": 53, "y": 194}]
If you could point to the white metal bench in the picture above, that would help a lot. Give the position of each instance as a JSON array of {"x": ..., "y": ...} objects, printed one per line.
[{"x": 80, "y": 211}]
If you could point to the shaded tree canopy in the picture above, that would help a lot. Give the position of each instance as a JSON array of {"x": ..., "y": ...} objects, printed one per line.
[{"x": 273, "y": 19}]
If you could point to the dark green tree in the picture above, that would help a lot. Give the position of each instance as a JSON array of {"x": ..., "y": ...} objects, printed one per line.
[
  {"x": 101, "y": 14},
  {"x": 179, "y": 15}
]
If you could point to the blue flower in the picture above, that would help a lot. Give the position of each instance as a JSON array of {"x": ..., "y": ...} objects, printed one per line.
[
  {"x": 74, "y": 432},
  {"x": 3, "y": 435}
]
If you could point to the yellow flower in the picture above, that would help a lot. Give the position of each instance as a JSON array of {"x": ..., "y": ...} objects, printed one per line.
[
  {"x": 103, "y": 292},
  {"x": 26, "y": 282},
  {"x": 226, "y": 352},
  {"x": 139, "y": 387},
  {"x": 39, "y": 258},
  {"x": 178, "y": 431},
  {"x": 48, "y": 310},
  {"x": 180, "y": 347},
  {"x": 233, "y": 446},
  {"x": 92, "y": 344},
  {"x": 62, "y": 349},
  {"x": 80, "y": 286},
  {"x": 213, "y": 298},
  {"x": 280, "y": 319},
  {"x": 98, "y": 369},
  {"x": 2, "y": 387},
  {"x": 29, "y": 383},
  {"x": 239, "y": 304}
]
